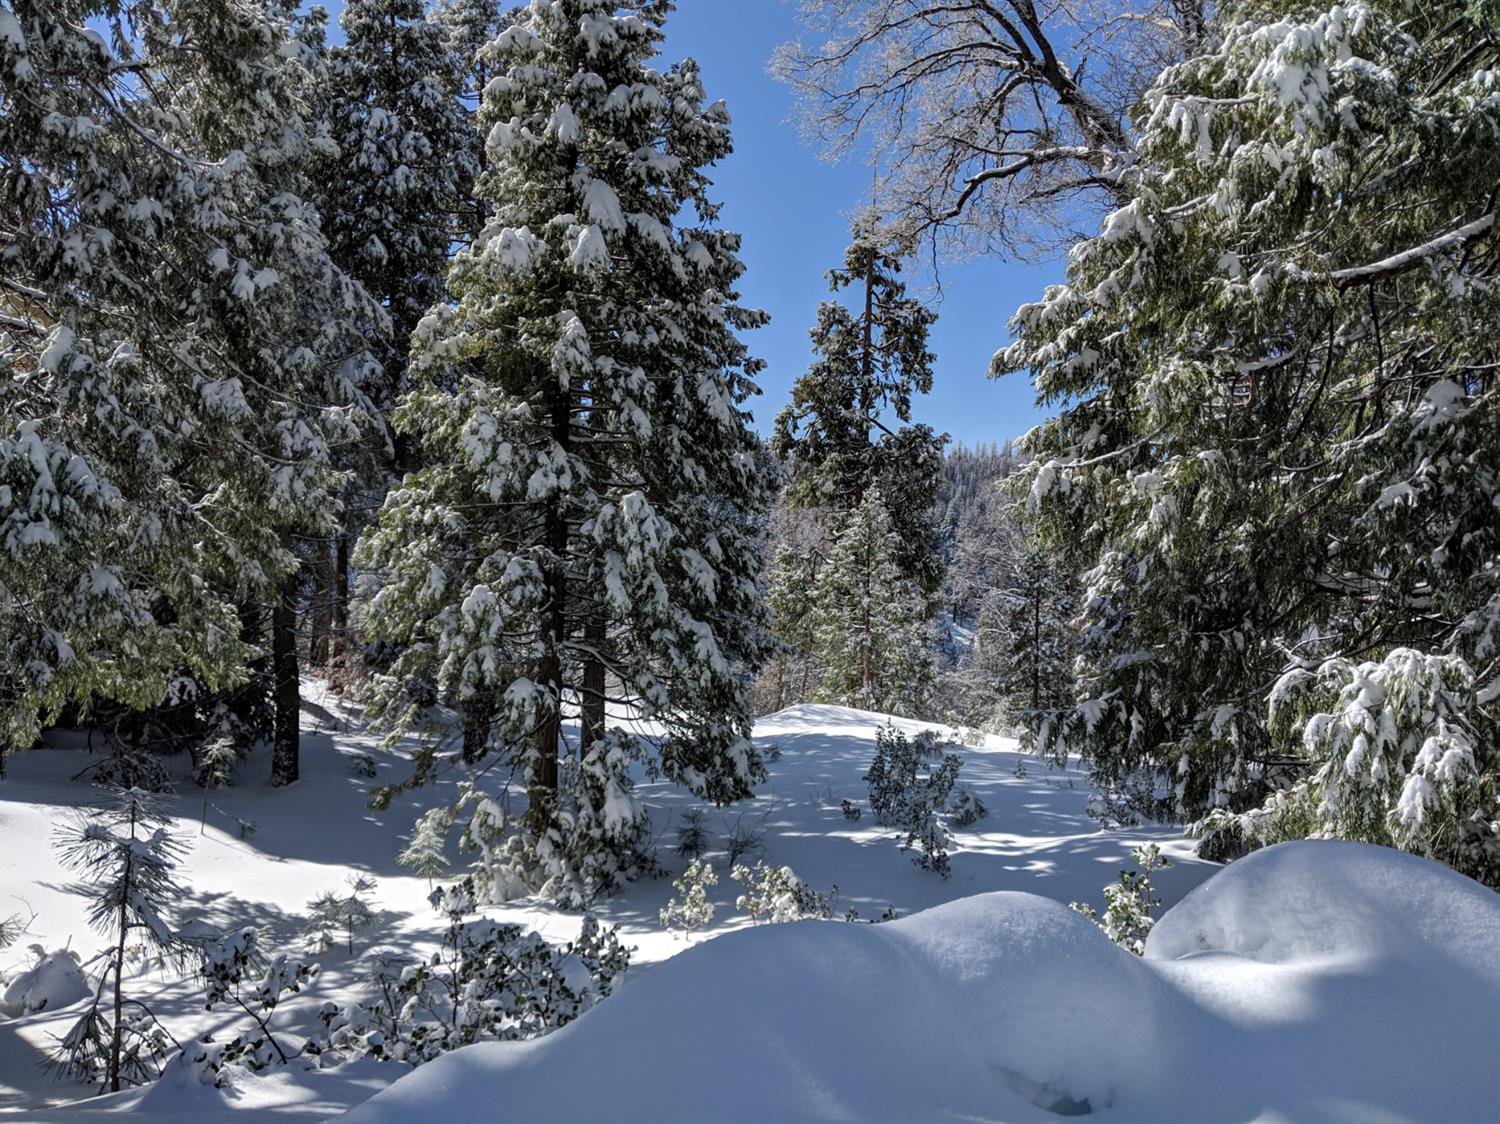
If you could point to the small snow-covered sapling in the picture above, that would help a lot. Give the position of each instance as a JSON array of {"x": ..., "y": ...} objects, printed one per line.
[{"x": 332, "y": 911}]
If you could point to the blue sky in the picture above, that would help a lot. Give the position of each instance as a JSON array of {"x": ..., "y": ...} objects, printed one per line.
[{"x": 791, "y": 208}]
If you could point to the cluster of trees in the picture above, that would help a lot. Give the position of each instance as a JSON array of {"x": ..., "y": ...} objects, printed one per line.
[
  {"x": 1271, "y": 472},
  {"x": 447, "y": 307},
  {"x": 454, "y": 288}
]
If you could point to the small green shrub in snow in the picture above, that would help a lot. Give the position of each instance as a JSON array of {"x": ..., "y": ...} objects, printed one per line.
[
  {"x": 776, "y": 894},
  {"x": 488, "y": 982},
  {"x": 226, "y": 967},
  {"x": 911, "y": 780},
  {"x": 1128, "y": 903},
  {"x": 693, "y": 909},
  {"x": 331, "y": 912}
]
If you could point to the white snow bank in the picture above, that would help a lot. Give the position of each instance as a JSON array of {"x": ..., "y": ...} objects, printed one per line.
[
  {"x": 55, "y": 980},
  {"x": 1312, "y": 981},
  {"x": 1334, "y": 901}
]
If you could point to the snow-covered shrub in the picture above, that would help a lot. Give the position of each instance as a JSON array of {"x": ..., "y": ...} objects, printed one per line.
[
  {"x": 488, "y": 982},
  {"x": 55, "y": 979},
  {"x": 692, "y": 837},
  {"x": 775, "y": 894},
  {"x": 1398, "y": 762},
  {"x": 911, "y": 780},
  {"x": 226, "y": 966},
  {"x": 693, "y": 908},
  {"x": 331, "y": 913},
  {"x": 426, "y": 850},
  {"x": 966, "y": 809},
  {"x": 1128, "y": 903}
]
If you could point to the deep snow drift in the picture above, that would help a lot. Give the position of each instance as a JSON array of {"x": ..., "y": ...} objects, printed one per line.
[
  {"x": 310, "y": 837},
  {"x": 1311, "y": 981}
]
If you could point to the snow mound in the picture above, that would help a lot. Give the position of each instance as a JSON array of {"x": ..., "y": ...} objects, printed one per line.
[
  {"x": 1313, "y": 981},
  {"x": 1328, "y": 900},
  {"x": 55, "y": 980}
]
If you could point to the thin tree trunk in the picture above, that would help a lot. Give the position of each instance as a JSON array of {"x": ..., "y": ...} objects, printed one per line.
[
  {"x": 591, "y": 728},
  {"x": 321, "y": 614},
  {"x": 340, "y": 597},
  {"x": 1036, "y": 650},
  {"x": 285, "y": 745},
  {"x": 542, "y": 788},
  {"x": 116, "y": 1038}
]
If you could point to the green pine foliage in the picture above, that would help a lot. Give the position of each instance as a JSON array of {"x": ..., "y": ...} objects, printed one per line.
[
  {"x": 870, "y": 627},
  {"x": 833, "y": 435},
  {"x": 581, "y": 523},
  {"x": 179, "y": 356},
  {"x": 1278, "y": 435}
]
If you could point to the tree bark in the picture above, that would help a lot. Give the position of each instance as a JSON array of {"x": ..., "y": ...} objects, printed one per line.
[
  {"x": 543, "y": 782},
  {"x": 479, "y": 713},
  {"x": 591, "y": 728},
  {"x": 321, "y": 614},
  {"x": 285, "y": 745},
  {"x": 340, "y": 636}
]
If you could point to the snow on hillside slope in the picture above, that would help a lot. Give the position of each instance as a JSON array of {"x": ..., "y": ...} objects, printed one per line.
[
  {"x": 308, "y": 838},
  {"x": 1313, "y": 981}
]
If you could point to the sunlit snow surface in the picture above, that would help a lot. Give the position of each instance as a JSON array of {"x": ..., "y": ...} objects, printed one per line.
[{"x": 992, "y": 1006}]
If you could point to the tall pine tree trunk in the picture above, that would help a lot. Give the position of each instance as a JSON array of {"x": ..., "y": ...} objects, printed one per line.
[
  {"x": 542, "y": 787},
  {"x": 285, "y": 745},
  {"x": 340, "y": 638}
]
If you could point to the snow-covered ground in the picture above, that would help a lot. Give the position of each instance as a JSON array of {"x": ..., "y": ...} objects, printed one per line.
[{"x": 825, "y": 1020}]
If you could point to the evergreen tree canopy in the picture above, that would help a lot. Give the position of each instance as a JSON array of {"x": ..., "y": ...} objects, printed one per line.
[
  {"x": 834, "y": 433},
  {"x": 582, "y": 523},
  {"x": 179, "y": 356},
  {"x": 1277, "y": 448},
  {"x": 870, "y": 627}
]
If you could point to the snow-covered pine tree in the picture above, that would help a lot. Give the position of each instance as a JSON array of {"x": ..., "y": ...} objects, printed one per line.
[
  {"x": 179, "y": 352},
  {"x": 1041, "y": 644},
  {"x": 404, "y": 162},
  {"x": 124, "y": 853},
  {"x": 833, "y": 434},
  {"x": 390, "y": 189},
  {"x": 1279, "y": 429},
  {"x": 581, "y": 526},
  {"x": 799, "y": 547},
  {"x": 870, "y": 624},
  {"x": 470, "y": 26}
]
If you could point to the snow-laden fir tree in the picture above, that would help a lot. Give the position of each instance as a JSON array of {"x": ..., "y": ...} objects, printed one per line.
[
  {"x": 581, "y": 526},
  {"x": 1278, "y": 437},
  {"x": 870, "y": 623},
  {"x": 834, "y": 434},
  {"x": 178, "y": 354},
  {"x": 390, "y": 188},
  {"x": 124, "y": 855},
  {"x": 469, "y": 27},
  {"x": 1040, "y": 645},
  {"x": 404, "y": 163}
]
